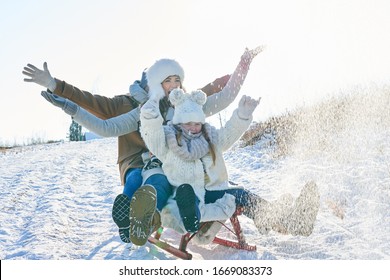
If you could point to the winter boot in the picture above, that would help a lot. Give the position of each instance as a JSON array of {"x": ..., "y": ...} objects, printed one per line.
[
  {"x": 120, "y": 215},
  {"x": 142, "y": 214},
  {"x": 187, "y": 202},
  {"x": 304, "y": 213},
  {"x": 268, "y": 214},
  {"x": 156, "y": 221},
  {"x": 287, "y": 216},
  {"x": 207, "y": 232}
]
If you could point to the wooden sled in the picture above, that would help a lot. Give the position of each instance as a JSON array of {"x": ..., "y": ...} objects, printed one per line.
[{"x": 181, "y": 251}]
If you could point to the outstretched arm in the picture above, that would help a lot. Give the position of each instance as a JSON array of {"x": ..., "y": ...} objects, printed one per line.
[
  {"x": 216, "y": 86},
  {"x": 238, "y": 123},
  {"x": 101, "y": 106},
  {"x": 221, "y": 100},
  {"x": 116, "y": 126}
]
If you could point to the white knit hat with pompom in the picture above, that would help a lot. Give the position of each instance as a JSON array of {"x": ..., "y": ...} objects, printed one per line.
[{"x": 188, "y": 106}]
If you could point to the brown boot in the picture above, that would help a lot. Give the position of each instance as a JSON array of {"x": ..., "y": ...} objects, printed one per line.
[
  {"x": 142, "y": 212},
  {"x": 156, "y": 221}
]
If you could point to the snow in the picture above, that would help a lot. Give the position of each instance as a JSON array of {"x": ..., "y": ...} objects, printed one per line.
[{"x": 56, "y": 198}]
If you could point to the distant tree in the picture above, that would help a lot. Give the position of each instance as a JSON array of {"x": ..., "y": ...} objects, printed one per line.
[{"x": 75, "y": 132}]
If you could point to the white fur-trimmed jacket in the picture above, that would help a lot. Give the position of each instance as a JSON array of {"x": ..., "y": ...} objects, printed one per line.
[{"x": 179, "y": 171}]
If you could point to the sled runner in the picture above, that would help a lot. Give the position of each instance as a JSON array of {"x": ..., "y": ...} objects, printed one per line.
[{"x": 181, "y": 251}]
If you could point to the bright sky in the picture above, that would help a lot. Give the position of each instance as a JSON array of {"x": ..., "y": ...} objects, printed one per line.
[{"x": 315, "y": 48}]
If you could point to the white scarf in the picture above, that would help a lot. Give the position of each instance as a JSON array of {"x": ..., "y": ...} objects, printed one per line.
[{"x": 193, "y": 146}]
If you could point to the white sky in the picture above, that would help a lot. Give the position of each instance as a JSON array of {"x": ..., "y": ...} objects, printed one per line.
[{"x": 314, "y": 48}]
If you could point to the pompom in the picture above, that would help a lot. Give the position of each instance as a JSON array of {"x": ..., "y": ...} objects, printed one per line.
[
  {"x": 199, "y": 97},
  {"x": 176, "y": 96}
]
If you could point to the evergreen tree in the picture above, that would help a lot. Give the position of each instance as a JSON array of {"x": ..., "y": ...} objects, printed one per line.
[{"x": 75, "y": 133}]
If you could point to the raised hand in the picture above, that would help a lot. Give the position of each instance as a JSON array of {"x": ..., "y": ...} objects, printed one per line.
[
  {"x": 248, "y": 55},
  {"x": 150, "y": 110},
  {"x": 247, "y": 106},
  {"x": 40, "y": 77}
]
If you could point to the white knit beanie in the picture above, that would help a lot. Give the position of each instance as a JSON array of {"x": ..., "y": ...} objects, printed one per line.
[
  {"x": 158, "y": 72},
  {"x": 188, "y": 106}
]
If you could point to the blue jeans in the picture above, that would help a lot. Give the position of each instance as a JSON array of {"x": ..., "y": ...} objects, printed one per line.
[
  {"x": 243, "y": 198},
  {"x": 158, "y": 181}
]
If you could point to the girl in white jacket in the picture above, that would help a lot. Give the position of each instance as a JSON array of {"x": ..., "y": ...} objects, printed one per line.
[{"x": 191, "y": 152}]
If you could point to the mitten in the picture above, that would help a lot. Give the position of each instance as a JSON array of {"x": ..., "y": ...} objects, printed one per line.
[
  {"x": 247, "y": 57},
  {"x": 68, "y": 106},
  {"x": 246, "y": 106},
  {"x": 150, "y": 110},
  {"x": 139, "y": 89}
]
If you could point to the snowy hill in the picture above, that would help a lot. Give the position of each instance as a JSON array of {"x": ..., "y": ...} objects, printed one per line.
[{"x": 56, "y": 199}]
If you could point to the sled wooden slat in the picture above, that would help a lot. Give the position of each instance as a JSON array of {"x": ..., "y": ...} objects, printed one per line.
[
  {"x": 234, "y": 244},
  {"x": 183, "y": 254},
  {"x": 181, "y": 251}
]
